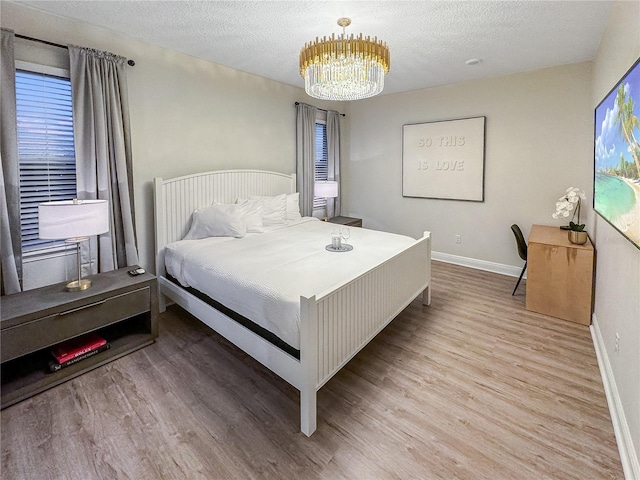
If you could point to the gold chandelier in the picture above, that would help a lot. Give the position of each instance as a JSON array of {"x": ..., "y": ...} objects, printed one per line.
[{"x": 344, "y": 68}]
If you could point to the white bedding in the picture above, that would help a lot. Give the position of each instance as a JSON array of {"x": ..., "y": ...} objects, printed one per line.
[{"x": 263, "y": 275}]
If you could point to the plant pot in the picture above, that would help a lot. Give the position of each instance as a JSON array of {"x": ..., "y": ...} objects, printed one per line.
[{"x": 579, "y": 238}]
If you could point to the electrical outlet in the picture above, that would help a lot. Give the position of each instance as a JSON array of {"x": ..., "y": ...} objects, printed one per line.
[
  {"x": 617, "y": 347},
  {"x": 458, "y": 239}
]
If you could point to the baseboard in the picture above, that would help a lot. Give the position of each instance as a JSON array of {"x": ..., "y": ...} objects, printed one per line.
[
  {"x": 628, "y": 457},
  {"x": 478, "y": 264}
]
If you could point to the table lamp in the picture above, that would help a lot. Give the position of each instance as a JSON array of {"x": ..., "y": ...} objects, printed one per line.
[
  {"x": 74, "y": 221},
  {"x": 326, "y": 189}
]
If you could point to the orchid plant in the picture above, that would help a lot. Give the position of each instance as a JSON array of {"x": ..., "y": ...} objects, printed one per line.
[{"x": 570, "y": 201}]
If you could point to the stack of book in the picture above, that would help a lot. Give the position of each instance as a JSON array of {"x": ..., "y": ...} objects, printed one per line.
[{"x": 76, "y": 350}]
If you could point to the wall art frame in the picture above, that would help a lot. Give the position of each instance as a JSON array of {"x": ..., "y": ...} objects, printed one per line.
[
  {"x": 444, "y": 159},
  {"x": 616, "y": 156}
]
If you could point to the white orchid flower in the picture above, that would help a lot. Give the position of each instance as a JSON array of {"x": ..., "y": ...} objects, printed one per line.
[{"x": 568, "y": 202}]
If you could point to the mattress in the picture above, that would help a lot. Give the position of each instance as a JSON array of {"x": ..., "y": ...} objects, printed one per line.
[{"x": 262, "y": 275}]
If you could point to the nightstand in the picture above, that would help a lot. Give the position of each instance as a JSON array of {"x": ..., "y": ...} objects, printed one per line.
[
  {"x": 119, "y": 307},
  {"x": 347, "y": 221}
]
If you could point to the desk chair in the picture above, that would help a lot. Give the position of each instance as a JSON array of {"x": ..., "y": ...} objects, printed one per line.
[{"x": 522, "y": 251}]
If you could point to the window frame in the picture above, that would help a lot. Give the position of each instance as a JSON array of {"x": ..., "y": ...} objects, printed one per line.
[
  {"x": 54, "y": 247},
  {"x": 320, "y": 203}
]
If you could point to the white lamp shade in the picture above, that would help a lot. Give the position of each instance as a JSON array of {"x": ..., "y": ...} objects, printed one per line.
[
  {"x": 72, "y": 218},
  {"x": 326, "y": 189}
]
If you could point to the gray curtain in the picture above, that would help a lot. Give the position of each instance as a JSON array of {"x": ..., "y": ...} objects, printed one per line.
[
  {"x": 10, "y": 240},
  {"x": 305, "y": 155},
  {"x": 103, "y": 149},
  {"x": 333, "y": 156}
]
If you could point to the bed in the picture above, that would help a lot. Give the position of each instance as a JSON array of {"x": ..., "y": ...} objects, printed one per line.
[{"x": 333, "y": 324}]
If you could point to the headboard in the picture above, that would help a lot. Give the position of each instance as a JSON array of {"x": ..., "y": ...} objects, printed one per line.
[{"x": 177, "y": 198}]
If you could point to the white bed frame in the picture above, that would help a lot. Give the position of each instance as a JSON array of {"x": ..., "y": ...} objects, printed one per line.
[{"x": 334, "y": 325}]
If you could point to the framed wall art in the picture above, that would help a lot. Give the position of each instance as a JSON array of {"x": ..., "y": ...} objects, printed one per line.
[
  {"x": 616, "y": 181},
  {"x": 444, "y": 159}
]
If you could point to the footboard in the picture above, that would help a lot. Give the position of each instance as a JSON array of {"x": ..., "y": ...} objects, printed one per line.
[{"x": 336, "y": 325}]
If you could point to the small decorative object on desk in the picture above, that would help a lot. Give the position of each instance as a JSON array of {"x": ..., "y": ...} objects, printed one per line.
[{"x": 572, "y": 200}]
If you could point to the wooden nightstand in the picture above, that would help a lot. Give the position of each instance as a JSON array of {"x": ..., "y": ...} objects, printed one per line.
[
  {"x": 119, "y": 307},
  {"x": 347, "y": 221}
]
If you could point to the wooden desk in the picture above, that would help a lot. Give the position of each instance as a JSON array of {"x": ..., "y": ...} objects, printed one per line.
[{"x": 559, "y": 275}]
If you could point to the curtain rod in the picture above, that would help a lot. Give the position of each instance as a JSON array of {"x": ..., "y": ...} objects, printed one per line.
[
  {"x": 25, "y": 37},
  {"x": 341, "y": 114}
]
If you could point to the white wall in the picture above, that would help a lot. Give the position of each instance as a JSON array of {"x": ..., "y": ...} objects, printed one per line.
[
  {"x": 538, "y": 143},
  {"x": 187, "y": 115},
  {"x": 617, "y": 304}
]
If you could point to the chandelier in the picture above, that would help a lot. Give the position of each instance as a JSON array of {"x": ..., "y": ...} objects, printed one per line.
[{"x": 344, "y": 68}]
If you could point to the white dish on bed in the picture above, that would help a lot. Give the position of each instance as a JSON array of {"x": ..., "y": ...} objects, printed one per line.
[{"x": 345, "y": 247}]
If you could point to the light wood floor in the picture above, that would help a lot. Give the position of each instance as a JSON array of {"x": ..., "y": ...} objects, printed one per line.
[{"x": 472, "y": 387}]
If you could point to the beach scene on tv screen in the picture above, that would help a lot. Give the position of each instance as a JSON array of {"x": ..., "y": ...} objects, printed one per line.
[{"x": 617, "y": 156}]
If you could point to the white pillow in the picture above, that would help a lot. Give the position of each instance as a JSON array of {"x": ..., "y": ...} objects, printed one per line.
[
  {"x": 274, "y": 209},
  {"x": 217, "y": 221},
  {"x": 293, "y": 206},
  {"x": 251, "y": 214}
]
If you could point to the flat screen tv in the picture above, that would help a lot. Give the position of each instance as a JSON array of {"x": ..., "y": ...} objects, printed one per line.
[{"x": 616, "y": 183}]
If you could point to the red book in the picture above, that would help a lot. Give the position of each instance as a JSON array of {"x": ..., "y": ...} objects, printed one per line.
[
  {"x": 75, "y": 347},
  {"x": 55, "y": 366}
]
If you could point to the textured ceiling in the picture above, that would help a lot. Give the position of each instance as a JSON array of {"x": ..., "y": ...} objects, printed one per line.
[{"x": 429, "y": 41}]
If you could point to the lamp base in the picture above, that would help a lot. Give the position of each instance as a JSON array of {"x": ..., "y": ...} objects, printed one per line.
[{"x": 78, "y": 285}]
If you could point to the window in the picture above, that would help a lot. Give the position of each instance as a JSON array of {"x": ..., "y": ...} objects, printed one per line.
[
  {"x": 321, "y": 161},
  {"x": 45, "y": 148}
]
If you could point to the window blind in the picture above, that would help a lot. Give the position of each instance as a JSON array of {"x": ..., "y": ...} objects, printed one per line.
[
  {"x": 321, "y": 161},
  {"x": 45, "y": 147}
]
